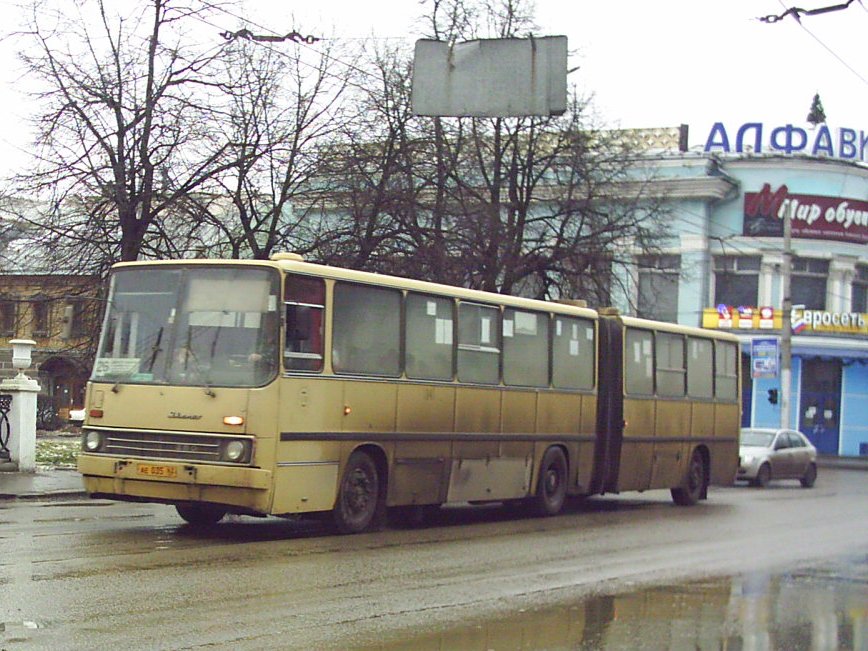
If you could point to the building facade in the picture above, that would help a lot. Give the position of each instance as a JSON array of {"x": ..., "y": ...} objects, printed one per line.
[
  {"x": 60, "y": 314},
  {"x": 724, "y": 269}
]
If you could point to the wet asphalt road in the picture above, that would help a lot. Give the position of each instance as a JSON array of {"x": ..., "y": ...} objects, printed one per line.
[{"x": 102, "y": 575}]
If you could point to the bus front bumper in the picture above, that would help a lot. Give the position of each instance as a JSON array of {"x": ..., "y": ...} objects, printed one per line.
[{"x": 173, "y": 482}]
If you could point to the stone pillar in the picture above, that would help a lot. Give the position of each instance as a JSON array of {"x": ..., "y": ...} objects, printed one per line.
[
  {"x": 18, "y": 413},
  {"x": 21, "y": 423}
]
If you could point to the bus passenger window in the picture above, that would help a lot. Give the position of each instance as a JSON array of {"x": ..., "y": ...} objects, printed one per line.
[
  {"x": 700, "y": 368},
  {"x": 366, "y": 327},
  {"x": 478, "y": 345},
  {"x": 305, "y": 302},
  {"x": 725, "y": 370},
  {"x": 525, "y": 348},
  {"x": 670, "y": 364},
  {"x": 639, "y": 362},
  {"x": 573, "y": 353},
  {"x": 428, "y": 337}
]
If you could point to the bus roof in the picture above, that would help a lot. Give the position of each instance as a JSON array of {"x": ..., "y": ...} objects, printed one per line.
[{"x": 290, "y": 263}]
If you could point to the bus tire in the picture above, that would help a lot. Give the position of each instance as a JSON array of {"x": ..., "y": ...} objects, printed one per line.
[
  {"x": 694, "y": 482},
  {"x": 200, "y": 515},
  {"x": 359, "y": 501},
  {"x": 551, "y": 489}
]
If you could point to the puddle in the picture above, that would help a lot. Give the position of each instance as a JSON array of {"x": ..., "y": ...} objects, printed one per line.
[{"x": 819, "y": 609}]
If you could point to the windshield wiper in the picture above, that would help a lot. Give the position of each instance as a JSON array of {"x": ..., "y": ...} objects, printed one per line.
[{"x": 155, "y": 350}]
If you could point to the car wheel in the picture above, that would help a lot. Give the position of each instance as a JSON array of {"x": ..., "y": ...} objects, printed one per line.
[
  {"x": 551, "y": 488},
  {"x": 763, "y": 476},
  {"x": 810, "y": 476},
  {"x": 694, "y": 483},
  {"x": 200, "y": 515},
  {"x": 359, "y": 501}
]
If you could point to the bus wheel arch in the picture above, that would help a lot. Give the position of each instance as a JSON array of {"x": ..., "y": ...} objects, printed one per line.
[
  {"x": 552, "y": 482},
  {"x": 695, "y": 484},
  {"x": 361, "y": 500}
]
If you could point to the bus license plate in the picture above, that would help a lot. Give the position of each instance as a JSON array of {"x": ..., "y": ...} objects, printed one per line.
[{"x": 151, "y": 470}]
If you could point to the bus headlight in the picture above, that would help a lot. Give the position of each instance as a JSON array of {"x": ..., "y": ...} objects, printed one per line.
[
  {"x": 92, "y": 441},
  {"x": 235, "y": 450}
]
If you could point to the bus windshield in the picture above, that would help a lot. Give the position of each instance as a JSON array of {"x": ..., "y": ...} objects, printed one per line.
[{"x": 196, "y": 326}]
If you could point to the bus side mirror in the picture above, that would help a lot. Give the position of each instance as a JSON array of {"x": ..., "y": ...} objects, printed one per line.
[{"x": 66, "y": 330}]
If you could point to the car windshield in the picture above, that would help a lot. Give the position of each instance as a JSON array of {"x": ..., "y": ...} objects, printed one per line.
[
  {"x": 199, "y": 326},
  {"x": 753, "y": 438}
]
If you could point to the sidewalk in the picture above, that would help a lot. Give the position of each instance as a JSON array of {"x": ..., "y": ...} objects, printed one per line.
[
  {"x": 44, "y": 483},
  {"x": 52, "y": 483}
]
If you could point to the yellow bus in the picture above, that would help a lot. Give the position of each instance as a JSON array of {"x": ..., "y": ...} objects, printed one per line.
[{"x": 282, "y": 387}]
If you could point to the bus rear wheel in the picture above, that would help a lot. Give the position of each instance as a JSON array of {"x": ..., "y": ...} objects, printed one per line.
[
  {"x": 359, "y": 502},
  {"x": 200, "y": 515},
  {"x": 551, "y": 490},
  {"x": 694, "y": 483}
]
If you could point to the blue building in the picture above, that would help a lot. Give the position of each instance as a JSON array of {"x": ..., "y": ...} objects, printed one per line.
[{"x": 723, "y": 268}]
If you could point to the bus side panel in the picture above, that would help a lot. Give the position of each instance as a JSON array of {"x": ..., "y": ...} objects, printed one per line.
[
  {"x": 724, "y": 458},
  {"x": 419, "y": 474},
  {"x": 637, "y": 448},
  {"x": 369, "y": 407},
  {"x": 305, "y": 473},
  {"x": 573, "y": 414},
  {"x": 478, "y": 471},
  {"x": 671, "y": 428}
]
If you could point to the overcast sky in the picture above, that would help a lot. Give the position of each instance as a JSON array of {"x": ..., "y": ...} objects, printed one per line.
[{"x": 648, "y": 63}]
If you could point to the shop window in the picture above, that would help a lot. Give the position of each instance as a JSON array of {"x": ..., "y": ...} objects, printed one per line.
[
  {"x": 859, "y": 297},
  {"x": 736, "y": 280},
  {"x": 658, "y": 287},
  {"x": 808, "y": 283}
]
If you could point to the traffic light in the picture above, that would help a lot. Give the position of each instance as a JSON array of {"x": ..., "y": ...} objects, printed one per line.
[{"x": 773, "y": 396}]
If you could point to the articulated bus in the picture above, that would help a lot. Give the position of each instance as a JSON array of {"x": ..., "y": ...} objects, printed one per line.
[{"x": 282, "y": 387}]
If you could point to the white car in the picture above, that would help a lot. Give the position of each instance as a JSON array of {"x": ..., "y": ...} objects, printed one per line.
[{"x": 766, "y": 454}]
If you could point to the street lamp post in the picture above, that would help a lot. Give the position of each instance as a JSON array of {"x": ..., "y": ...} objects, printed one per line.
[{"x": 786, "y": 325}]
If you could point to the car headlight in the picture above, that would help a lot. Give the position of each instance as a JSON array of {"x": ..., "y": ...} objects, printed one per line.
[
  {"x": 92, "y": 441},
  {"x": 235, "y": 450},
  {"x": 748, "y": 458}
]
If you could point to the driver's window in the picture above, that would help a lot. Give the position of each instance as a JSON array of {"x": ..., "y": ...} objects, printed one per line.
[
  {"x": 304, "y": 299},
  {"x": 782, "y": 441}
]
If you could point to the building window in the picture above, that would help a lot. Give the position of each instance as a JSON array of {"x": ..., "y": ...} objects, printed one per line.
[
  {"x": 808, "y": 283},
  {"x": 658, "y": 287},
  {"x": 7, "y": 318},
  {"x": 736, "y": 280},
  {"x": 41, "y": 321},
  {"x": 859, "y": 297}
]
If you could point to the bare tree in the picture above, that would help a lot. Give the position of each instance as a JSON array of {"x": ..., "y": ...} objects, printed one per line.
[
  {"x": 285, "y": 106},
  {"x": 546, "y": 207},
  {"x": 123, "y": 134}
]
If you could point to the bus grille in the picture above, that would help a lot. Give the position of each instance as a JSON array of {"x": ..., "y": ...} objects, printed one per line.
[{"x": 163, "y": 445}]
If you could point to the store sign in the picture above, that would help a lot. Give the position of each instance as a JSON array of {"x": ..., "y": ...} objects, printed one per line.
[
  {"x": 756, "y": 137},
  {"x": 831, "y": 322},
  {"x": 812, "y": 217},
  {"x": 801, "y": 321},
  {"x": 764, "y": 355}
]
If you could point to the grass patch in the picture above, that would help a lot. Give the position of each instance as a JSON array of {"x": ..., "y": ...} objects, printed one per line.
[{"x": 57, "y": 453}]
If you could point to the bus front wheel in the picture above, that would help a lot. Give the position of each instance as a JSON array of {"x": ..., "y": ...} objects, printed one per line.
[
  {"x": 200, "y": 515},
  {"x": 359, "y": 500},
  {"x": 551, "y": 490},
  {"x": 694, "y": 483}
]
